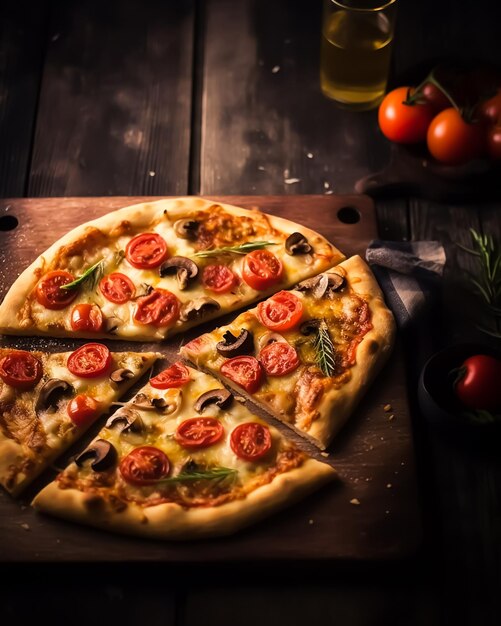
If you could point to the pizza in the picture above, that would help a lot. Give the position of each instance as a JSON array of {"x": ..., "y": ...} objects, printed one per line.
[
  {"x": 150, "y": 270},
  {"x": 182, "y": 459},
  {"x": 308, "y": 355},
  {"x": 47, "y": 401}
]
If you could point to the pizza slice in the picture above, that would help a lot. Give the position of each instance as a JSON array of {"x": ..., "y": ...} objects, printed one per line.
[
  {"x": 47, "y": 401},
  {"x": 150, "y": 270},
  {"x": 307, "y": 355},
  {"x": 182, "y": 460}
]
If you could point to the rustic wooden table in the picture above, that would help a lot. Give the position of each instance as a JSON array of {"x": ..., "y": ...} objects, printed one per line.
[{"x": 220, "y": 97}]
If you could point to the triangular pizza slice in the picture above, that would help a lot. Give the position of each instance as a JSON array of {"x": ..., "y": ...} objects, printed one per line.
[
  {"x": 47, "y": 401},
  {"x": 307, "y": 355},
  {"x": 182, "y": 459},
  {"x": 150, "y": 270}
]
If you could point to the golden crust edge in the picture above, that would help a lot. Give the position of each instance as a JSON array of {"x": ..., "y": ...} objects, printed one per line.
[{"x": 171, "y": 521}]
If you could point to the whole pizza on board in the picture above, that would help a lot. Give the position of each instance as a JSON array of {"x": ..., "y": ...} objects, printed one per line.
[{"x": 184, "y": 457}]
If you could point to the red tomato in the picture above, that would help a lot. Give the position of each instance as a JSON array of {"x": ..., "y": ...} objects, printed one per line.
[
  {"x": 261, "y": 269},
  {"x": 87, "y": 318},
  {"x": 90, "y": 360},
  {"x": 282, "y": 311},
  {"x": 480, "y": 384},
  {"x": 144, "y": 466},
  {"x": 279, "y": 358},
  {"x": 490, "y": 110},
  {"x": 494, "y": 142},
  {"x": 199, "y": 432},
  {"x": 176, "y": 375},
  {"x": 83, "y": 410},
  {"x": 404, "y": 123},
  {"x": 245, "y": 371},
  {"x": 453, "y": 141},
  {"x": 49, "y": 293},
  {"x": 20, "y": 369},
  {"x": 146, "y": 251},
  {"x": 437, "y": 98},
  {"x": 117, "y": 288},
  {"x": 251, "y": 441},
  {"x": 218, "y": 278},
  {"x": 160, "y": 308}
]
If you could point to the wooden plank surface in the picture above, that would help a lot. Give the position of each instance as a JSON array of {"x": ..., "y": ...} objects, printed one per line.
[
  {"x": 374, "y": 456},
  {"x": 115, "y": 106}
]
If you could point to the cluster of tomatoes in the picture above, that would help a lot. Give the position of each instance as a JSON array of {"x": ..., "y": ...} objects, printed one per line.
[{"x": 457, "y": 124}]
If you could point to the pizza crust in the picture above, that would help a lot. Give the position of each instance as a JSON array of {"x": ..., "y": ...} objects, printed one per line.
[
  {"x": 172, "y": 521},
  {"x": 141, "y": 217}
]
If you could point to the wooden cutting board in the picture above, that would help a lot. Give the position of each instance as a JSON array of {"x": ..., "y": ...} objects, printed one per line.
[{"x": 370, "y": 514}]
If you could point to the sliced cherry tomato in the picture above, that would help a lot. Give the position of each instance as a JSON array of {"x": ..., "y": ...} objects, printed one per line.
[
  {"x": 87, "y": 318},
  {"x": 146, "y": 251},
  {"x": 49, "y": 293},
  {"x": 261, "y": 269},
  {"x": 453, "y": 141},
  {"x": 494, "y": 142},
  {"x": 144, "y": 466},
  {"x": 83, "y": 409},
  {"x": 404, "y": 123},
  {"x": 282, "y": 311},
  {"x": 20, "y": 369},
  {"x": 199, "y": 432},
  {"x": 245, "y": 371},
  {"x": 176, "y": 375},
  {"x": 490, "y": 110},
  {"x": 251, "y": 441},
  {"x": 279, "y": 358},
  {"x": 90, "y": 360},
  {"x": 160, "y": 308},
  {"x": 117, "y": 287},
  {"x": 479, "y": 385},
  {"x": 218, "y": 278}
]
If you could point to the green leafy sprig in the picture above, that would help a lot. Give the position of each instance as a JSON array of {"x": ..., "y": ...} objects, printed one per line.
[
  {"x": 215, "y": 473},
  {"x": 325, "y": 353},
  {"x": 90, "y": 278},
  {"x": 242, "y": 249}
]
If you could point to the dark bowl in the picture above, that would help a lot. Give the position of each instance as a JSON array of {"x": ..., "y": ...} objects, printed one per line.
[{"x": 436, "y": 396}]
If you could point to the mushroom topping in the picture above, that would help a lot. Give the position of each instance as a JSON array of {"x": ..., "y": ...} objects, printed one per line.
[
  {"x": 270, "y": 337},
  {"x": 143, "y": 402},
  {"x": 197, "y": 308},
  {"x": 310, "y": 326},
  {"x": 220, "y": 397},
  {"x": 236, "y": 346},
  {"x": 51, "y": 393},
  {"x": 184, "y": 268},
  {"x": 186, "y": 229},
  {"x": 322, "y": 285},
  {"x": 102, "y": 453},
  {"x": 297, "y": 244},
  {"x": 121, "y": 375},
  {"x": 126, "y": 420}
]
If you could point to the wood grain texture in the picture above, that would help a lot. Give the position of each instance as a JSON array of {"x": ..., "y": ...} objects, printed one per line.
[
  {"x": 23, "y": 34},
  {"x": 115, "y": 104},
  {"x": 373, "y": 455}
]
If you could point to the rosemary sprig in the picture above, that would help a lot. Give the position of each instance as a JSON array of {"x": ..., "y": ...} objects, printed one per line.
[
  {"x": 216, "y": 473},
  {"x": 325, "y": 350},
  {"x": 90, "y": 277},
  {"x": 241, "y": 249}
]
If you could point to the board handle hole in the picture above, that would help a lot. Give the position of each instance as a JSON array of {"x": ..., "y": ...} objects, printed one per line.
[
  {"x": 348, "y": 215},
  {"x": 8, "y": 222}
]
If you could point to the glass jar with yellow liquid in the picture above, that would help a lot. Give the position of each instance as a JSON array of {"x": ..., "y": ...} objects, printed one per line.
[{"x": 357, "y": 38}]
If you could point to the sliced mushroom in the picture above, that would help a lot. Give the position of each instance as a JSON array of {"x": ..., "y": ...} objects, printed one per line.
[
  {"x": 336, "y": 281},
  {"x": 236, "y": 346},
  {"x": 186, "y": 229},
  {"x": 126, "y": 420},
  {"x": 51, "y": 393},
  {"x": 310, "y": 326},
  {"x": 220, "y": 397},
  {"x": 197, "y": 308},
  {"x": 184, "y": 268},
  {"x": 297, "y": 244},
  {"x": 322, "y": 285},
  {"x": 165, "y": 405},
  {"x": 144, "y": 289},
  {"x": 143, "y": 402},
  {"x": 103, "y": 454},
  {"x": 121, "y": 375},
  {"x": 270, "y": 337}
]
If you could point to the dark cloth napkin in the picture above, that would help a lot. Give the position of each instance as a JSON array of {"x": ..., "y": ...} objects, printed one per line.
[{"x": 409, "y": 274}]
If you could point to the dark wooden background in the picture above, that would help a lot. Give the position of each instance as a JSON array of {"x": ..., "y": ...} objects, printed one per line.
[{"x": 179, "y": 96}]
